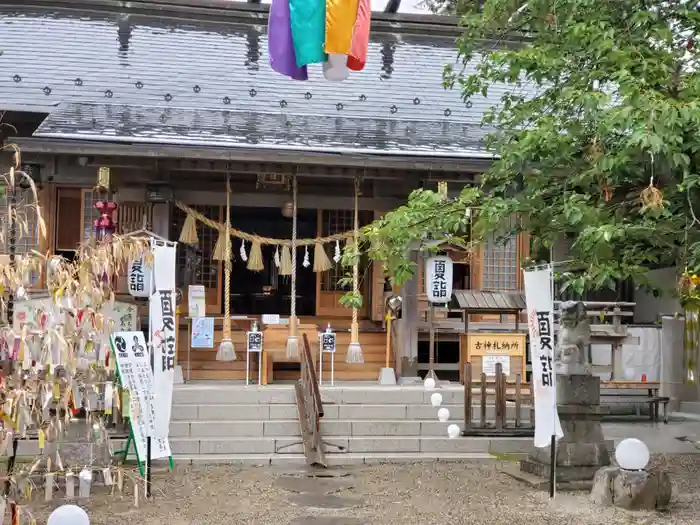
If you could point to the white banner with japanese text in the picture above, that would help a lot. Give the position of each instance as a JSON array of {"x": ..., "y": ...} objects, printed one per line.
[
  {"x": 540, "y": 316},
  {"x": 164, "y": 340},
  {"x": 134, "y": 367}
]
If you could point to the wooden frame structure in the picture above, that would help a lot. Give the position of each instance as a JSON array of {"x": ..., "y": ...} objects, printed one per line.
[{"x": 474, "y": 302}]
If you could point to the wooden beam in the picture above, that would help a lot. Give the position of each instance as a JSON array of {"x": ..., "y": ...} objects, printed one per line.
[
  {"x": 270, "y": 200},
  {"x": 154, "y": 151}
]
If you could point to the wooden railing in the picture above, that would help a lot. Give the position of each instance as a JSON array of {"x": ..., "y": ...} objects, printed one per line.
[
  {"x": 497, "y": 394},
  {"x": 310, "y": 408}
]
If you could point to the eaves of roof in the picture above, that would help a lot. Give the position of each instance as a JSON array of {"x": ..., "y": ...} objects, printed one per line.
[{"x": 240, "y": 12}]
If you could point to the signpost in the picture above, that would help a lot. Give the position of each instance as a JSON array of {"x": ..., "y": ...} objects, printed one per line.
[
  {"x": 328, "y": 346},
  {"x": 254, "y": 345},
  {"x": 135, "y": 376},
  {"x": 438, "y": 287}
]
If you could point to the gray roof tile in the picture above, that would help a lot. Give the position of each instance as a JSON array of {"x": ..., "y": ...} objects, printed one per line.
[
  {"x": 235, "y": 128},
  {"x": 54, "y": 56}
]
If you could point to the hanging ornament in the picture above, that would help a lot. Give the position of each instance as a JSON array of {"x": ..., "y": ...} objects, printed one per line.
[
  {"x": 337, "y": 255},
  {"x": 306, "y": 262},
  {"x": 277, "y": 256},
  {"x": 244, "y": 255}
]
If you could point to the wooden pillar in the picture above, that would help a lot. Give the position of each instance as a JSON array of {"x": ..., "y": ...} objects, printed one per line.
[{"x": 408, "y": 325}]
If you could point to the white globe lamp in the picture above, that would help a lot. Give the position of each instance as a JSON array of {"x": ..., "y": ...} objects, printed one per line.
[
  {"x": 436, "y": 399},
  {"x": 632, "y": 454},
  {"x": 443, "y": 415},
  {"x": 429, "y": 384},
  {"x": 68, "y": 515},
  {"x": 453, "y": 431}
]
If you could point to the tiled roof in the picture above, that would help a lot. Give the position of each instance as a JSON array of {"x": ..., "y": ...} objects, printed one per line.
[
  {"x": 155, "y": 64},
  {"x": 214, "y": 127}
]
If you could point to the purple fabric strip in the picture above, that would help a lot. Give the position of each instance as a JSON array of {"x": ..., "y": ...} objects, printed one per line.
[{"x": 280, "y": 45}]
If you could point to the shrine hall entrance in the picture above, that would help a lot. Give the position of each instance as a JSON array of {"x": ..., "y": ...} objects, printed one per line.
[{"x": 268, "y": 292}]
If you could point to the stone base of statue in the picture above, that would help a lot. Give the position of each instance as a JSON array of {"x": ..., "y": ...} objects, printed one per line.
[
  {"x": 582, "y": 451},
  {"x": 632, "y": 489}
]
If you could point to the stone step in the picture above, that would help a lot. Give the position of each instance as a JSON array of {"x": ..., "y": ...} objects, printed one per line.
[
  {"x": 332, "y": 459},
  {"x": 252, "y": 412},
  {"x": 353, "y": 444},
  {"x": 290, "y": 428},
  {"x": 284, "y": 394}
]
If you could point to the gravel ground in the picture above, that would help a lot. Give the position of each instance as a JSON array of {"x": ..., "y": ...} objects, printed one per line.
[{"x": 424, "y": 494}]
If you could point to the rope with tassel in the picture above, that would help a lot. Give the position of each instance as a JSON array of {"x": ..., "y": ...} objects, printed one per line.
[
  {"x": 293, "y": 340},
  {"x": 227, "y": 351},
  {"x": 354, "y": 354},
  {"x": 189, "y": 232}
]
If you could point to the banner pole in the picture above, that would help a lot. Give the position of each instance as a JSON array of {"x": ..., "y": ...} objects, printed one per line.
[
  {"x": 553, "y": 444},
  {"x": 149, "y": 439},
  {"x": 552, "y": 466}
]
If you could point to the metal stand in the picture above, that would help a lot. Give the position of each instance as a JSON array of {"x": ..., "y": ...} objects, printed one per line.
[
  {"x": 387, "y": 376},
  {"x": 431, "y": 357},
  {"x": 148, "y": 467},
  {"x": 247, "y": 366},
  {"x": 320, "y": 366},
  {"x": 553, "y": 466}
]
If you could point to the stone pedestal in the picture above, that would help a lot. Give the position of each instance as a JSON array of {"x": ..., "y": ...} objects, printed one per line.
[
  {"x": 582, "y": 450},
  {"x": 632, "y": 489}
]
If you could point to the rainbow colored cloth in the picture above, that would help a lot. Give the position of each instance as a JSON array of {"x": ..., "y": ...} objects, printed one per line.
[{"x": 334, "y": 33}]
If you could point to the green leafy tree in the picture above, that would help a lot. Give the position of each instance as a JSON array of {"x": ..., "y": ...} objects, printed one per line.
[{"x": 596, "y": 136}]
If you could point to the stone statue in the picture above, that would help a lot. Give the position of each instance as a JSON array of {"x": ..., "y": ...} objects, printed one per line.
[{"x": 573, "y": 353}]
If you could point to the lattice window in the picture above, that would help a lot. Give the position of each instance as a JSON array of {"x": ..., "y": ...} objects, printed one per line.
[
  {"x": 194, "y": 263},
  {"x": 338, "y": 221},
  {"x": 500, "y": 264},
  {"x": 27, "y": 238}
]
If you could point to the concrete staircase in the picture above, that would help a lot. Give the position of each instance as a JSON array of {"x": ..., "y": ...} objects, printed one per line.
[{"x": 224, "y": 423}]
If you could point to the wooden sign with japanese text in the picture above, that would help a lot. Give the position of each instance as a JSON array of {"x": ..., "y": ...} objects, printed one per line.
[
  {"x": 483, "y": 343},
  {"x": 485, "y": 349}
]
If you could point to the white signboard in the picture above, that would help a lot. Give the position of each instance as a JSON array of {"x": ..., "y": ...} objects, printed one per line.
[
  {"x": 540, "y": 316},
  {"x": 270, "y": 319},
  {"x": 164, "y": 253},
  {"x": 438, "y": 279},
  {"x": 196, "y": 301},
  {"x": 164, "y": 339},
  {"x": 132, "y": 357},
  {"x": 140, "y": 278},
  {"x": 489, "y": 362}
]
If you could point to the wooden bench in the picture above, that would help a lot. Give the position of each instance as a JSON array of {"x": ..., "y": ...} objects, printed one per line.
[{"x": 635, "y": 393}]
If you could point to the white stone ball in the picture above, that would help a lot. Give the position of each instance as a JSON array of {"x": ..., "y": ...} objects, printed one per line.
[
  {"x": 436, "y": 399},
  {"x": 632, "y": 454},
  {"x": 453, "y": 431},
  {"x": 68, "y": 515},
  {"x": 429, "y": 384},
  {"x": 443, "y": 415}
]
